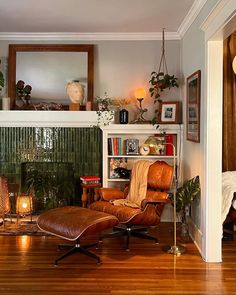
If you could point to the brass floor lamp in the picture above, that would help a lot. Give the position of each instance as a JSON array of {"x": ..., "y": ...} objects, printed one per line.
[{"x": 174, "y": 249}]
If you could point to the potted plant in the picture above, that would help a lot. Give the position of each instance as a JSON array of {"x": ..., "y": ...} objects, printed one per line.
[
  {"x": 158, "y": 83},
  {"x": 105, "y": 116},
  {"x": 103, "y": 103},
  {"x": 184, "y": 197}
]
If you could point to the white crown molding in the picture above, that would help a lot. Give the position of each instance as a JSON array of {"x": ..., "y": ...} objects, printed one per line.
[
  {"x": 221, "y": 19},
  {"x": 88, "y": 36},
  {"x": 190, "y": 17},
  {"x": 113, "y": 36}
]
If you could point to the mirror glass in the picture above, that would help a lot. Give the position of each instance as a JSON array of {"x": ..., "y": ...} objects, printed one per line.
[
  {"x": 47, "y": 68},
  {"x": 49, "y": 72}
]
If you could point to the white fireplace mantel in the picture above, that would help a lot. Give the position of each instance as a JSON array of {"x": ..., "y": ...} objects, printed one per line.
[{"x": 48, "y": 118}]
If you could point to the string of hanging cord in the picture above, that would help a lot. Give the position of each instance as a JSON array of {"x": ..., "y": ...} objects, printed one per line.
[{"x": 163, "y": 64}]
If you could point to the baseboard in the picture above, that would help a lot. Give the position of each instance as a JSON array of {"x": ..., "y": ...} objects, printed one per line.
[{"x": 196, "y": 234}]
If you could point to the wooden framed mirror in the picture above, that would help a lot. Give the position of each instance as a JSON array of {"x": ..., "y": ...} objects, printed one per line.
[{"x": 47, "y": 68}]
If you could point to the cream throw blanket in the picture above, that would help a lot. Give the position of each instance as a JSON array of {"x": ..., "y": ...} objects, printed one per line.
[
  {"x": 228, "y": 190},
  {"x": 138, "y": 186}
]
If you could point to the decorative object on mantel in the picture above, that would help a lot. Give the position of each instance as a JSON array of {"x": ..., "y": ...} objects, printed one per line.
[
  {"x": 161, "y": 79},
  {"x": 6, "y": 101},
  {"x": 123, "y": 113},
  {"x": 105, "y": 116},
  {"x": 103, "y": 103},
  {"x": 75, "y": 91},
  {"x": 140, "y": 93},
  {"x": 47, "y": 106},
  {"x": 23, "y": 95},
  {"x": 23, "y": 100}
]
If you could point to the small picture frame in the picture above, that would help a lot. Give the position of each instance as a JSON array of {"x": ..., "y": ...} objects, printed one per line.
[
  {"x": 193, "y": 106},
  {"x": 169, "y": 112},
  {"x": 132, "y": 146}
]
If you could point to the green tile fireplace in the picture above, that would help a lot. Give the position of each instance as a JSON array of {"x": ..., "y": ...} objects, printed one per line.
[{"x": 49, "y": 161}]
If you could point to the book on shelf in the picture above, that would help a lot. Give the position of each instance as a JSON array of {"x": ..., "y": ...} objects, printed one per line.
[
  {"x": 90, "y": 179},
  {"x": 115, "y": 146},
  {"x": 116, "y": 163}
]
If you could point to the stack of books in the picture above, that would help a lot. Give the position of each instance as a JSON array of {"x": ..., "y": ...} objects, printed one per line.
[{"x": 92, "y": 179}]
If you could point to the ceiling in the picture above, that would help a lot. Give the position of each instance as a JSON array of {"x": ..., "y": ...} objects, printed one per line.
[{"x": 95, "y": 16}]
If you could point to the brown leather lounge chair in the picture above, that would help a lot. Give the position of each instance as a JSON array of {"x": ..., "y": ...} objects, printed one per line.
[{"x": 133, "y": 221}]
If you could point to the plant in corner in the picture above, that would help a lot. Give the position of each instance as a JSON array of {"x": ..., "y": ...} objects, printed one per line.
[{"x": 185, "y": 195}]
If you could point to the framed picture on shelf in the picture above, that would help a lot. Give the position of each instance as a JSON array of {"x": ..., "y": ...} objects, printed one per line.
[
  {"x": 116, "y": 163},
  {"x": 169, "y": 112},
  {"x": 132, "y": 146},
  {"x": 193, "y": 106}
]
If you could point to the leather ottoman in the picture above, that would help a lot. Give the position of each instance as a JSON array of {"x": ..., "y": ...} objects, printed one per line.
[{"x": 72, "y": 223}]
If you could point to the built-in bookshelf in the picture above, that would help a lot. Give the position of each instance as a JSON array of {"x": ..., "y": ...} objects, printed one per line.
[{"x": 117, "y": 152}]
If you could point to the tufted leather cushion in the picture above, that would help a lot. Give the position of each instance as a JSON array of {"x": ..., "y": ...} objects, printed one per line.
[
  {"x": 160, "y": 175},
  {"x": 73, "y": 222}
]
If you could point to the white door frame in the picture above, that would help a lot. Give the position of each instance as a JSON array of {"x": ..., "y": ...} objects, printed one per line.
[{"x": 217, "y": 26}]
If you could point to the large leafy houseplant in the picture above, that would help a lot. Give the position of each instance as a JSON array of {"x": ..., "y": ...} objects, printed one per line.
[{"x": 185, "y": 195}]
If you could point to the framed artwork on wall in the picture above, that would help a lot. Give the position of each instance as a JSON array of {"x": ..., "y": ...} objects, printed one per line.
[
  {"x": 193, "y": 106},
  {"x": 169, "y": 112}
]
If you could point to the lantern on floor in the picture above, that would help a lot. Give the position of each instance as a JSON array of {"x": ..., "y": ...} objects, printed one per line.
[{"x": 24, "y": 205}]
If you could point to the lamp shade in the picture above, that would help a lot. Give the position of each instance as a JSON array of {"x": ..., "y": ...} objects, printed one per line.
[
  {"x": 24, "y": 204},
  {"x": 140, "y": 93},
  {"x": 234, "y": 65}
]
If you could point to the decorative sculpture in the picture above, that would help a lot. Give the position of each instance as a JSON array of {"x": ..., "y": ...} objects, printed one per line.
[{"x": 75, "y": 92}]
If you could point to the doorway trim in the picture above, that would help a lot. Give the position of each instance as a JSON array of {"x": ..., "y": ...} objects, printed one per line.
[{"x": 216, "y": 26}]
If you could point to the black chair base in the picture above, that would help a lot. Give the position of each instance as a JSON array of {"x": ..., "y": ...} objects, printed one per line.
[
  {"x": 77, "y": 248},
  {"x": 128, "y": 231}
]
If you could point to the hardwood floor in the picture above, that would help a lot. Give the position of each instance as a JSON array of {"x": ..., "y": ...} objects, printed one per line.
[{"x": 26, "y": 267}]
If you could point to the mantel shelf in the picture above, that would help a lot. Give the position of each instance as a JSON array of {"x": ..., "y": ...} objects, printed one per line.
[{"x": 48, "y": 118}]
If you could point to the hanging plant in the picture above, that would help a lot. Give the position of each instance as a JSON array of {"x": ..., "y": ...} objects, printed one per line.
[{"x": 161, "y": 80}]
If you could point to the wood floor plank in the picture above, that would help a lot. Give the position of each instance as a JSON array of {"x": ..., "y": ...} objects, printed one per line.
[{"x": 26, "y": 267}]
